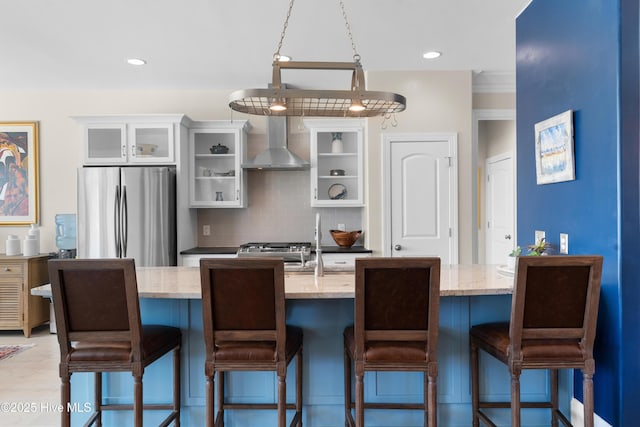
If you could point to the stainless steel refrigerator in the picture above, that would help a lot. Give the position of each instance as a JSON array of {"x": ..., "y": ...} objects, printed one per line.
[{"x": 127, "y": 212}]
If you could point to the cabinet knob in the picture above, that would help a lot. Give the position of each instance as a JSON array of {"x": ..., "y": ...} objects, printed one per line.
[
  {"x": 7, "y": 269},
  {"x": 397, "y": 247}
]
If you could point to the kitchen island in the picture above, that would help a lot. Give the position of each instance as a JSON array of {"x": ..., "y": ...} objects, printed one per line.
[
  {"x": 184, "y": 283},
  {"x": 323, "y": 307}
]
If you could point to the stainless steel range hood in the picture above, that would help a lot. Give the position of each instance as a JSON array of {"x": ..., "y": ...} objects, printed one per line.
[{"x": 277, "y": 156}]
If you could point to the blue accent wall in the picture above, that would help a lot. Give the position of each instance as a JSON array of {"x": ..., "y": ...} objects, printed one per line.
[
  {"x": 583, "y": 55},
  {"x": 630, "y": 212}
]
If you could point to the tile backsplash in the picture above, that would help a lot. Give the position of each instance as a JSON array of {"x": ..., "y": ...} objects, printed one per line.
[{"x": 279, "y": 210}]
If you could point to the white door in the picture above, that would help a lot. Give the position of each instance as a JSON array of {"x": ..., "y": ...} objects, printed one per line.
[
  {"x": 500, "y": 209},
  {"x": 423, "y": 197}
]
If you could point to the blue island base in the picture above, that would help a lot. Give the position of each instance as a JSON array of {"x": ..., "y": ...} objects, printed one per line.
[{"x": 323, "y": 321}]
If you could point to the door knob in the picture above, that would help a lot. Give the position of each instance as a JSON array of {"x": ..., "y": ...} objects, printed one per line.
[
  {"x": 397, "y": 247},
  {"x": 507, "y": 236}
]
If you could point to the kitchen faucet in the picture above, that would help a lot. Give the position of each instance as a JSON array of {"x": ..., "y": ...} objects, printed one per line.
[{"x": 319, "y": 267}]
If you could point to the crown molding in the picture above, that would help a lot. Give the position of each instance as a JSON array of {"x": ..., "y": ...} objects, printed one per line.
[{"x": 494, "y": 82}]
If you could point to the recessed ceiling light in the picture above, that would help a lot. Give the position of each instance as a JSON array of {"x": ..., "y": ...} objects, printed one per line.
[
  {"x": 431, "y": 54},
  {"x": 136, "y": 61}
]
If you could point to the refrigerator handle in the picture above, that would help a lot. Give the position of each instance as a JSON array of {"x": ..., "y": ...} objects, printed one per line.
[
  {"x": 116, "y": 220},
  {"x": 124, "y": 221}
]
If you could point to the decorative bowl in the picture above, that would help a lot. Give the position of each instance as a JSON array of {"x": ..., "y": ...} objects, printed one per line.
[
  {"x": 345, "y": 239},
  {"x": 146, "y": 149},
  {"x": 219, "y": 149}
]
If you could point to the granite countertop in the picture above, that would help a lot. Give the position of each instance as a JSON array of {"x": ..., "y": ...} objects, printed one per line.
[
  {"x": 221, "y": 250},
  {"x": 184, "y": 283}
]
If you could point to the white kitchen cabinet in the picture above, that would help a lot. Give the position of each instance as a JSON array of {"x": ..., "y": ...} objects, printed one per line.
[
  {"x": 342, "y": 259},
  {"x": 216, "y": 152},
  {"x": 326, "y": 189},
  {"x": 130, "y": 139},
  {"x": 194, "y": 260}
]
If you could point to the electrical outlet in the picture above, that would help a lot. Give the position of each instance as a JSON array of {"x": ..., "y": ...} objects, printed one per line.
[
  {"x": 539, "y": 235},
  {"x": 564, "y": 243},
  {"x": 342, "y": 227},
  {"x": 206, "y": 230}
]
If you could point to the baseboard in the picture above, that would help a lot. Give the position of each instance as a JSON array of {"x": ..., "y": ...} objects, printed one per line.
[{"x": 577, "y": 415}]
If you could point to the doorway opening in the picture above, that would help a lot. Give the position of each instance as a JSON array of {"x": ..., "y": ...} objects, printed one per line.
[{"x": 494, "y": 134}]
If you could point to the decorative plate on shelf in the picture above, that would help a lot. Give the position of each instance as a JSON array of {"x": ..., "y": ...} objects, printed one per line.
[{"x": 337, "y": 192}]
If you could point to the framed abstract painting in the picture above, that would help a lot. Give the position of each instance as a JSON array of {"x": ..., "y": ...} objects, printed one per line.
[
  {"x": 554, "y": 149},
  {"x": 18, "y": 173}
]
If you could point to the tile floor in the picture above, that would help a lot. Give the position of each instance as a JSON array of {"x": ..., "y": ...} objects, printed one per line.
[{"x": 29, "y": 384}]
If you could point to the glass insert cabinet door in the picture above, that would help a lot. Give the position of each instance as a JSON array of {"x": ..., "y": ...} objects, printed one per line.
[
  {"x": 151, "y": 143},
  {"x": 105, "y": 143},
  {"x": 217, "y": 150},
  {"x": 336, "y": 162},
  {"x": 130, "y": 139}
]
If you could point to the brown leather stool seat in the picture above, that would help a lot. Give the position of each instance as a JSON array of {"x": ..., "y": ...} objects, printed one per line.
[
  {"x": 98, "y": 324},
  {"x": 265, "y": 351},
  {"x": 494, "y": 339},
  {"x": 157, "y": 340},
  {"x": 395, "y": 329},
  {"x": 243, "y": 313},
  {"x": 388, "y": 351},
  {"x": 553, "y": 323}
]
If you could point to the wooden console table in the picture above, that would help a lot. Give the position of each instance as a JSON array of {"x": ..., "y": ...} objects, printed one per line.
[{"x": 19, "y": 309}]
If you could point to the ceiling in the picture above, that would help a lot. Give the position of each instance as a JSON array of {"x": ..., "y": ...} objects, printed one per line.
[{"x": 215, "y": 44}]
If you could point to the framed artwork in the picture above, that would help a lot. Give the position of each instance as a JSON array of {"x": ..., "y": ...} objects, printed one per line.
[
  {"x": 18, "y": 173},
  {"x": 554, "y": 149}
]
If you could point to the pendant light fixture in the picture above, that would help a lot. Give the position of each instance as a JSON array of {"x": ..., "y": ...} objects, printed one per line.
[{"x": 279, "y": 100}]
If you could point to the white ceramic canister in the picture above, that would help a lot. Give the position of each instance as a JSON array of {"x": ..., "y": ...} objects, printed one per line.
[
  {"x": 35, "y": 231},
  {"x": 30, "y": 245},
  {"x": 13, "y": 245},
  {"x": 336, "y": 142}
]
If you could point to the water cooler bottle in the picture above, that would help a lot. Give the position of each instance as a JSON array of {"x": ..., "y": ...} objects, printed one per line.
[{"x": 66, "y": 235}]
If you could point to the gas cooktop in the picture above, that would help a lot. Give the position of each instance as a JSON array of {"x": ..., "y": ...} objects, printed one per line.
[{"x": 289, "y": 251}]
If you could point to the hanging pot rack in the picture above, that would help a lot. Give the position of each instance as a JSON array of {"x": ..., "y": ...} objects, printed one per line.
[{"x": 278, "y": 100}]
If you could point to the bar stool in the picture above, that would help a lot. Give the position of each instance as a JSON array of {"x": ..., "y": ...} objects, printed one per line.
[
  {"x": 395, "y": 329},
  {"x": 243, "y": 311},
  {"x": 98, "y": 319},
  {"x": 553, "y": 326}
]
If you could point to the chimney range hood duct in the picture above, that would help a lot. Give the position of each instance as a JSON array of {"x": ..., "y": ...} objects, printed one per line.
[{"x": 277, "y": 156}]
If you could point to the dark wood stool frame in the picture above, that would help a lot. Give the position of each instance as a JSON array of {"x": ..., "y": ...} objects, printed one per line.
[
  {"x": 553, "y": 324},
  {"x": 250, "y": 316},
  {"x": 99, "y": 330},
  {"x": 404, "y": 326}
]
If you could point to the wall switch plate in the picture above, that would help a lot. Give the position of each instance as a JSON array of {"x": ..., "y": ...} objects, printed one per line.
[
  {"x": 564, "y": 243},
  {"x": 539, "y": 235},
  {"x": 206, "y": 230}
]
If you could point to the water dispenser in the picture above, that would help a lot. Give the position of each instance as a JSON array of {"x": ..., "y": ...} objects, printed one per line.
[{"x": 66, "y": 235}]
